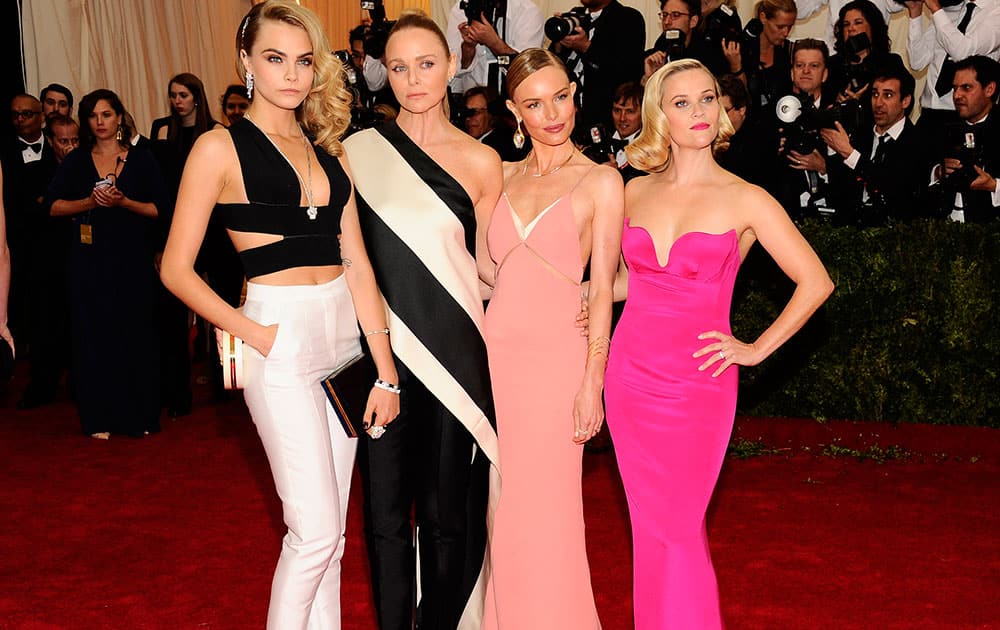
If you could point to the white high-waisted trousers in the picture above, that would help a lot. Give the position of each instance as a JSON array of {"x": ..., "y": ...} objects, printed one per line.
[{"x": 311, "y": 456}]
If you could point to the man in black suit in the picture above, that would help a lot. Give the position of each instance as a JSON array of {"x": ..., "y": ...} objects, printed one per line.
[
  {"x": 680, "y": 20},
  {"x": 799, "y": 179},
  {"x": 882, "y": 174},
  {"x": 28, "y": 165},
  {"x": 603, "y": 57},
  {"x": 966, "y": 175}
]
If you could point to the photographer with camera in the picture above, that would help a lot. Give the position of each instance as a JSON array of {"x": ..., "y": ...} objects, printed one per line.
[
  {"x": 800, "y": 175},
  {"x": 601, "y": 44},
  {"x": 486, "y": 34},
  {"x": 369, "y": 69},
  {"x": 807, "y": 8},
  {"x": 767, "y": 53},
  {"x": 680, "y": 39},
  {"x": 862, "y": 45},
  {"x": 964, "y": 181},
  {"x": 959, "y": 29},
  {"x": 879, "y": 177}
]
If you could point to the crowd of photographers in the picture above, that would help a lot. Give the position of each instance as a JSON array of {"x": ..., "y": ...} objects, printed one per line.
[{"x": 825, "y": 125}]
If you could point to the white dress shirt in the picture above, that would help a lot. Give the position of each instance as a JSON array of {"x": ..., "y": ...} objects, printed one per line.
[
  {"x": 375, "y": 73},
  {"x": 521, "y": 29},
  {"x": 942, "y": 39},
  {"x": 620, "y": 158}
]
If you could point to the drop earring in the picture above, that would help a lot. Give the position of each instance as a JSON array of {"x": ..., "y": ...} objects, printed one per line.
[
  {"x": 519, "y": 137},
  {"x": 118, "y": 136},
  {"x": 249, "y": 85}
]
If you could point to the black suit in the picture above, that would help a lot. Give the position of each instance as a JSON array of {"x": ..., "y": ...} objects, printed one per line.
[
  {"x": 896, "y": 184},
  {"x": 978, "y": 205},
  {"x": 39, "y": 249},
  {"x": 614, "y": 57}
]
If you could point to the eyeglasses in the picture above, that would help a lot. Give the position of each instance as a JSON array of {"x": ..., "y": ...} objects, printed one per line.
[
  {"x": 673, "y": 15},
  {"x": 24, "y": 113}
]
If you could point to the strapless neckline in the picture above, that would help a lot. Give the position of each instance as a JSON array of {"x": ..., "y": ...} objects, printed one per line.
[{"x": 670, "y": 250}]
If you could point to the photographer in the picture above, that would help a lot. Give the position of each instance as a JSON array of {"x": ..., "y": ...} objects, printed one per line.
[
  {"x": 602, "y": 56},
  {"x": 958, "y": 30},
  {"x": 801, "y": 173},
  {"x": 807, "y": 8},
  {"x": 369, "y": 69},
  {"x": 879, "y": 177},
  {"x": 863, "y": 45},
  {"x": 965, "y": 181},
  {"x": 767, "y": 53},
  {"x": 744, "y": 156},
  {"x": 681, "y": 40},
  {"x": 478, "y": 42}
]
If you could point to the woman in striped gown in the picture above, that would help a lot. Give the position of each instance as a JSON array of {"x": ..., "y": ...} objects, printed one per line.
[{"x": 424, "y": 192}]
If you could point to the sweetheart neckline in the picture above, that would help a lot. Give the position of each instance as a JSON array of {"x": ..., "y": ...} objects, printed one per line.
[{"x": 670, "y": 250}]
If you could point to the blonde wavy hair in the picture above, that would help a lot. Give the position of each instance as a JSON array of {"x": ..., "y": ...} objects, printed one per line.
[
  {"x": 326, "y": 111},
  {"x": 650, "y": 151}
]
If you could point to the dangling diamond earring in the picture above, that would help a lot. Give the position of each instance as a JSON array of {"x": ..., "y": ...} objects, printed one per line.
[
  {"x": 249, "y": 85},
  {"x": 519, "y": 137}
]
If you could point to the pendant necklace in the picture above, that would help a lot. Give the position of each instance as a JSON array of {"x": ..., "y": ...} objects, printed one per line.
[
  {"x": 565, "y": 162},
  {"x": 312, "y": 211}
]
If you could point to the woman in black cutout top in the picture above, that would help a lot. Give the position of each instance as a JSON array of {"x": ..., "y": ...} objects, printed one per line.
[{"x": 298, "y": 323}]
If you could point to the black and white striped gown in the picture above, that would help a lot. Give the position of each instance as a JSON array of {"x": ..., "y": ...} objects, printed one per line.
[{"x": 419, "y": 228}]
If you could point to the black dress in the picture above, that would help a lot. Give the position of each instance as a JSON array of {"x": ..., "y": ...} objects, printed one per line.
[{"x": 111, "y": 287}]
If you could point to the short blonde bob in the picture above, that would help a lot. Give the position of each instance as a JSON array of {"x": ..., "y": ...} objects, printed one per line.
[
  {"x": 650, "y": 151},
  {"x": 326, "y": 111}
]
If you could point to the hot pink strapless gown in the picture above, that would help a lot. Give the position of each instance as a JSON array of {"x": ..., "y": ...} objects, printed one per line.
[
  {"x": 671, "y": 423},
  {"x": 540, "y": 578}
]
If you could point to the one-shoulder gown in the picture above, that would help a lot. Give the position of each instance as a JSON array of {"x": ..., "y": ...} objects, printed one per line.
[
  {"x": 671, "y": 423},
  {"x": 540, "y": 578}
]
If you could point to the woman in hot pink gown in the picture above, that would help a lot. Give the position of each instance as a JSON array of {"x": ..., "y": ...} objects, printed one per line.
[
  {"x": 671, "y": 377},
  {"x": 558, "y": 210}
]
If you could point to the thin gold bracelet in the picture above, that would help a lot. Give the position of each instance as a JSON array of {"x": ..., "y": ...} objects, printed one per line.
[{"x": 384, "y": 331}]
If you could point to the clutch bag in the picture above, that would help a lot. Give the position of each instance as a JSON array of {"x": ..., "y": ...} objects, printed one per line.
[
  {"x": 347, "y": 389},
  {"x": 232, "y": 361}
]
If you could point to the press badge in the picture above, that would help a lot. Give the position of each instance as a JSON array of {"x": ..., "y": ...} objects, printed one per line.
[{"x": 86, "y": 234}]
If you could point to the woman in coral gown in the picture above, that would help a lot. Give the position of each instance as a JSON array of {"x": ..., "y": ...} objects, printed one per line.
[
  {"x": 671, "y": 378},
  {"x": 558, "y": 211}
]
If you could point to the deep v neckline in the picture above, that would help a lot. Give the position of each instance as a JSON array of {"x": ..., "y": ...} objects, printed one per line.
[{"x": 523, "y": 229}]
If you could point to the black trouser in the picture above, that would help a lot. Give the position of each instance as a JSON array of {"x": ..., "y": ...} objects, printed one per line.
[
  {"x": 175, "y": 360},
  {"x": 48, "y": 312},
  {"x": 424, "y": 466}
]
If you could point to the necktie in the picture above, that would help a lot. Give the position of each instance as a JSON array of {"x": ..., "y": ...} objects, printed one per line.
[
  {"x": 943, "y": 84},
  {"x": 964, "y": 24},
  {"x": 880, "y": 148}
]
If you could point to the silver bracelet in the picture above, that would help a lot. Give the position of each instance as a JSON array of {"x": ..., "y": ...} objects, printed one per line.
[
  {"x": 383, "y": 331},
  {"x": 387, "y": 386}
]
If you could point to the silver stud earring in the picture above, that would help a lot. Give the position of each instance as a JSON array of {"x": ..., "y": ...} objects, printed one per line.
[{"x": 249, "y": 85}]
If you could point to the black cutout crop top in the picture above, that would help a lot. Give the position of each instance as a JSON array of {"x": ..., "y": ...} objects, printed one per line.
[{"x": 274, "y": 195}]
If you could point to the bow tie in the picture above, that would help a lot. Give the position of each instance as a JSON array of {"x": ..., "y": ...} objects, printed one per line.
[
  {"x": 618, "y": 145},
  {"x": 34, "y": 146}
]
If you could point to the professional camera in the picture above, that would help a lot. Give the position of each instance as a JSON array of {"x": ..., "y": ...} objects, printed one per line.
[
  {"x": 855, "y": 45},
  {"x": 969, "y": 153},
  {"x": 489, "y": 10},
  {"x": 858, "y": 75},
  {"x": 378, "y": 33},
  {"x": 350, "y": 74},
  {"x": 671, "y": 44},
  {"x": 562, "y": 25},
  {"x": 599, "y": 147},
  {"x": 720, "y": 27},
  {"x": 803, "y": 122},
  {"x": 752, "y": 30}
]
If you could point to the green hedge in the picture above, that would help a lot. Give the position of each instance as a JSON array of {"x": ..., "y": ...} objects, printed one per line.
[{"x": 911, "y": 333}]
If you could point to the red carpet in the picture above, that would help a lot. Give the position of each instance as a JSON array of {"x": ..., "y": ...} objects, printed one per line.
[{"x": 182, "y": 529}]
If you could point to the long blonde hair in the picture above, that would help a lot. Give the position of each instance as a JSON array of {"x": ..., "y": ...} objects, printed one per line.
[
  {"x": 650, "y": 151},
  {"x": 326, "y": 111}
]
